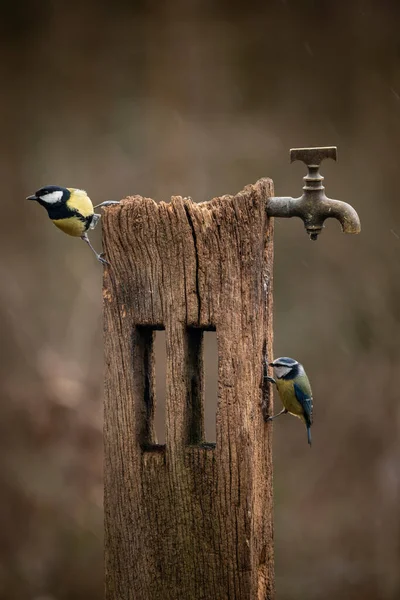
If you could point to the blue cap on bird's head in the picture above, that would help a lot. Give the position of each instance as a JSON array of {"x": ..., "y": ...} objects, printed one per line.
[
  {"x": 284, "y": 361},
  {"x": 286, "y": 368}
]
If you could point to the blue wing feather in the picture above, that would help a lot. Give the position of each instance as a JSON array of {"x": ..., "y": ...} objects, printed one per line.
[{"x": 305, "y": 400}]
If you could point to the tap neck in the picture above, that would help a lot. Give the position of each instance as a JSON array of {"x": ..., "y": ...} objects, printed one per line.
[{"x": 313, "y": 179}]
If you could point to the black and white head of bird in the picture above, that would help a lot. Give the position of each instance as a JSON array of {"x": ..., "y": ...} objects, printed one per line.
[
  {"x": 51, "y": 195},
  {"x": 286, "y": 368}
]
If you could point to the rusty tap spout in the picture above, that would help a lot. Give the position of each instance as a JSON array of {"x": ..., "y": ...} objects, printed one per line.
[{"x": 314, "y": 207}]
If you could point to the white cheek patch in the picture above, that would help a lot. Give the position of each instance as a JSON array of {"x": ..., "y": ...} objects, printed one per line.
[
  {"x": 281, "y": 371},
  {"x": 53, "y": 197}
]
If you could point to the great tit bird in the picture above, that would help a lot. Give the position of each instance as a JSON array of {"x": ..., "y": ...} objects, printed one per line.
[
  {"x": 294, "y": 390},
  {"x": 71, "y": 210}
]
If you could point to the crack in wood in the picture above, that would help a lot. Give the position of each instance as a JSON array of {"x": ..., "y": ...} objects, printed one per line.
[{"x": 191, "y": 224}]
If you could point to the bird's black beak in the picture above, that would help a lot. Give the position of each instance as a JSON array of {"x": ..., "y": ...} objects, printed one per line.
[
  {"x": 271, "y": 364},
  {"x": 33, "y": 197}
]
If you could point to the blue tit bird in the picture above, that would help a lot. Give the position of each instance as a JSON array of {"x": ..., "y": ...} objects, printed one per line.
[
  {"x": 294, "y": 390},
  {"x": 71, "y": 210}
]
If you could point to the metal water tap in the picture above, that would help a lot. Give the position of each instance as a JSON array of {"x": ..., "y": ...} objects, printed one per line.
[{"x": 313, "y": 207}]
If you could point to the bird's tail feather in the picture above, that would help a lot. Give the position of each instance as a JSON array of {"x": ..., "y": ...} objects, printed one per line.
[{"x": 309, "y": 434}]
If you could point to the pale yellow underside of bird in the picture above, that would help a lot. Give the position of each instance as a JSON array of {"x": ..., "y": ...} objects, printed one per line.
[
  {"x": 71, "y": 226},
  {"x": 80, "y": 202},
  {"x": 289, "y": 401}
]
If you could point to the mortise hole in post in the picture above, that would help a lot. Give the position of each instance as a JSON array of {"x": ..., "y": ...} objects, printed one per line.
[
  {"x": 202, "y": 374},
  {"x": 160, "y": 353},
  {"x": 148, "y": 344},
  {"x": 194, "y": 383},
  {"x": 210, "y": 353}
]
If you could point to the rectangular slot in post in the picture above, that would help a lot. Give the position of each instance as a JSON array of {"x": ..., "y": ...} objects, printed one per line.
[
  {"x": 160, "y": 354},
  {"x": 147, "y": 364},
  {"x": 195, "y": 378},
  {"x": 202, "y": 381},
  {"x": 210, "y": 353}
]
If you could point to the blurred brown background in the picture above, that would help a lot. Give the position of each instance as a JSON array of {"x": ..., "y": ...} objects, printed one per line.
[{"x": 201, "y": 98}]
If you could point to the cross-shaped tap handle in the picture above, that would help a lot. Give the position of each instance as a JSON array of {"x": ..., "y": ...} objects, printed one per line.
[{"x": 314, "y": 207}]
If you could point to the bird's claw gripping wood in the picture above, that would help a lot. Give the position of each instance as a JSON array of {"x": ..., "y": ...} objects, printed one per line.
[
  {"x": 314, "y": 207},
  {"x": 107, "y": 203},
  {"x": 283, "y": 412},
  {"x": 100, "y": 257}
]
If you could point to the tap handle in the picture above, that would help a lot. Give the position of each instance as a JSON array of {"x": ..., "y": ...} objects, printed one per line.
[{"x": 313, "y": 157}]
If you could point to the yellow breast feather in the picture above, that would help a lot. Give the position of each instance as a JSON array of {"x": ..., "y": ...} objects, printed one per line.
[
  {"x": 288, "y": 397},
  {"x": 71, "y": 226},
  {"x": 80, "y": 201}
]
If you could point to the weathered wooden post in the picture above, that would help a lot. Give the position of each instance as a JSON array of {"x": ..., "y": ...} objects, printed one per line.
[{"x": 188, "y": 520}]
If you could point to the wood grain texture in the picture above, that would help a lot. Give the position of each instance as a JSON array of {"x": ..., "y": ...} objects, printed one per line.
[{"x": 188, "y": 520}]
